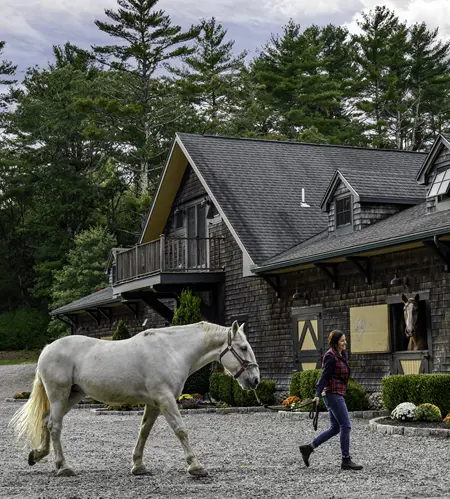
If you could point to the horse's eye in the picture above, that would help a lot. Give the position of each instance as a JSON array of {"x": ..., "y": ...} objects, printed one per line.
[{"x": 244, "y": 348}]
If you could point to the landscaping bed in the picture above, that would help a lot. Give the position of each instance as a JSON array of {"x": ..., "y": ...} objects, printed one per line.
[{"x": 415, "y": 424}]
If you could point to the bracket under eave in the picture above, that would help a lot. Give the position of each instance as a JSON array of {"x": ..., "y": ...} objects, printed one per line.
[
  {"x": 441, "y": 249},
  {"x": 274, "y": 283},
  {"x": 331, "y": 270},
  {"x": 362, "y": 263}
]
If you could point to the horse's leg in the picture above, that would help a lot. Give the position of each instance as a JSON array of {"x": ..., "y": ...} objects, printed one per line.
[
  {"x": 148, "y": 420},
  {"x": 58, "y": 409},
  {"x": 170, "y": 410},
  {"x": 44, "y": 448}
]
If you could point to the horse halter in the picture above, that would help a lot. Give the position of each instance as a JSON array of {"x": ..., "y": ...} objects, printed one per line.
[{"x": 245, "y": 364}]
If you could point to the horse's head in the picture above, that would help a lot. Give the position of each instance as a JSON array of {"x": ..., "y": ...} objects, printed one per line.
[
  {"x": 411, "y": 313},
  {"x": 238, "y": 359}
]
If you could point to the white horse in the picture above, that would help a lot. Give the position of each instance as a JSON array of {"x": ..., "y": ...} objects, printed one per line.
[{"x": 150, "y": 368}]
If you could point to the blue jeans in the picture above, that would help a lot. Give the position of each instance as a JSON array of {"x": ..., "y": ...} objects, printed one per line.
[{"x": 339, "y": 421}]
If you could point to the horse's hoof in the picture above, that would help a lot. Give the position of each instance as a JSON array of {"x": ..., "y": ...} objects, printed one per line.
[
  {"x": 31, "y": 460},
  {"x": 140, "y": 470},
  {"x": 65, "y": 472},
  {"x": 197, "y": 471}
]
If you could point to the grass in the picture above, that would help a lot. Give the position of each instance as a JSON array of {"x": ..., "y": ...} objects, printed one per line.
[{"x": 11, "y": 362}]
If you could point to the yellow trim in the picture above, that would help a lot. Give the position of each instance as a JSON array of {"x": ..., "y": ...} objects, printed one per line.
[
  {"x": 411, "y": 366},
  {"x": 308, "y": 366},
  {"x": 165, "y": 196}
]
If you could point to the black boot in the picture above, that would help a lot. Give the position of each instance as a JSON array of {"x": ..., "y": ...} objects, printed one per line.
[
  {"x": 306, "y": 451},
  {"x": 348, "y": 464}
]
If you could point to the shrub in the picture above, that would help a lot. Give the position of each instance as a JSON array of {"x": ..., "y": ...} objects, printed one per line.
[
  {"x": 246, "y": 398},
  {"x": 221, "y": 387},
  {"x": 405, "y": 411},
  {"x": 22, "y": 395},
  {"x": 121, "y": 332},
  {"x": 303, "y": 385},
  {"x": 447, "y": 419},
  {"x": 418, "y": 389},
  {"x": 428, "y": 412},
  {"x": 356, "y": 397},
  {"x": 198, "y": 382}
]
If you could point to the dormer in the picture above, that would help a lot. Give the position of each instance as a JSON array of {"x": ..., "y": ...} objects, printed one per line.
[
  {"x": 356, "y": 199},
  {"x": 435, "y": 175}
]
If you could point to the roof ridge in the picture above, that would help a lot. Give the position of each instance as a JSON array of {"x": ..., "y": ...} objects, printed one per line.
[{"x": 253, "y": 139}]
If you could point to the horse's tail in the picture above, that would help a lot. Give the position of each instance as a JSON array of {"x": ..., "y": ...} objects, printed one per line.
[{"x": 27, "y": 421}]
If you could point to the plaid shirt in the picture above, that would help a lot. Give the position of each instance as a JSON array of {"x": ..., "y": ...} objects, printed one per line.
[{"x": 335, "y": 374}]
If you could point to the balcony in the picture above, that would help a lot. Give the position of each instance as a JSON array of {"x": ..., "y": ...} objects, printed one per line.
[{"x": 169, "y": 260}]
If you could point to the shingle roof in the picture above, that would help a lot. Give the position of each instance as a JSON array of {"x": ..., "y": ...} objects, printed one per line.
[
  {"x": 258, "y": 184},
  {"x": 97, "y": 299},
  {"x": 408, "y": 225}
]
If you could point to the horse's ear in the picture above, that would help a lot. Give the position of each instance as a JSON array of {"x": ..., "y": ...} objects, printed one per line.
[
  {"x": 417, "y": 297},
  {"x": 242, "y": 327},
  {"x": 405, "y": 300},
  {"x": 235, "y": 328}
]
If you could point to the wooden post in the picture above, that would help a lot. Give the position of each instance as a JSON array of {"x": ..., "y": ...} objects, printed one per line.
[{"x": 162, "y": 251}]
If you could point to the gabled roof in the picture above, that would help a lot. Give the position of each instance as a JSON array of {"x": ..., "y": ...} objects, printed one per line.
[
  {"x": 99, "y": 298},
  {"x": 410, "y": 225},
  {"x": 443, "y": 141},
  {"x": 257, "y": 185}
]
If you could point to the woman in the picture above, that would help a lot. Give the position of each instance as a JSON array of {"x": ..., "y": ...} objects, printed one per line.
[{"x": 334, "y": 381}]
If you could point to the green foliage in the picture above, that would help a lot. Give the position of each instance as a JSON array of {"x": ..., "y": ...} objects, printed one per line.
[
  {"x": 246, "y": 398},
  {"x": 428, "y": 412},
  {"x": 24, "y": 328},
  {"x": 198, "y": 382},
  {"x": 418, "y": 389},
  {"x": 188, "y": 311},
  {"x": 85, "y": 270},
  {"x": 221, "y": 388},
  {"x": 121, "y": 332},
  {"x": 303, "y": 385},
  {"x": 225, "y": 388}
]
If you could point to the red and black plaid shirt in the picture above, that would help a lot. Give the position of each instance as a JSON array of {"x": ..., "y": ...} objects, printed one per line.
[{"x": 335, "y": 374}]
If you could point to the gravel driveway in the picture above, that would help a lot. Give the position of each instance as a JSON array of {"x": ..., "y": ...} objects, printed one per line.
[{"x": 247, "y": 455}]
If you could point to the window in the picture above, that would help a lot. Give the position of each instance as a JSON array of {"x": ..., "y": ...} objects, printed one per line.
[
  {"x": 343, "y": 211},
  {"x": 397, "y": 325},
  {"x": 178, "y": 219},
  {"x": 441, "y": 184}
]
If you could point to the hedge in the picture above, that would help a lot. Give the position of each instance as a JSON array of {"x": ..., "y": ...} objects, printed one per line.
[
  {"x": 224, "y": 387},
  {"x": 303, "y": 385},
  {"x": 418, "y": 389},
  {"x": 23, "y": 329}
]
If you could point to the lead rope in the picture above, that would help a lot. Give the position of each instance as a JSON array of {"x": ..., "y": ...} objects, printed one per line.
[{"x": 313, "y": 413}]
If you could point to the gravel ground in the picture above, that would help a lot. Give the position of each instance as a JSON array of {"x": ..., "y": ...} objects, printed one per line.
[
  {"x": 16, "y": 378},
  {"x": 247, "y": 455}
]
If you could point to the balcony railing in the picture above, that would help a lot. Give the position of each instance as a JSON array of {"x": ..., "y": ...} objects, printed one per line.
[{"x": 169, "y": 254}]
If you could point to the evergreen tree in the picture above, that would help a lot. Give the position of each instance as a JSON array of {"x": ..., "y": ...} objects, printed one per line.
[
  {"x": 429, "y": 86},
  {"x": 188, "y": 311},
  {"x": 7, "y": 71},
  {"x": 209, "y": 78},
  {"x": 139, "y": 109},
  {"x": 383, "y": 69}
]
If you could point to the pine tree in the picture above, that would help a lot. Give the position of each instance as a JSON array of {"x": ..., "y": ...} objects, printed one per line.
[
  {"x": 138, "y": 107},
  {"x": 188, "y": 311},
  {"x": 383, "y": 69},
  {"x": 429, "y": 86},
  {"x": 210, "y": 76},
  {"x": 7, "y": 71}
]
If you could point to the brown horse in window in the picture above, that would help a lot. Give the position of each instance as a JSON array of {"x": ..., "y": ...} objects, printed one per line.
[{"x": 412, "y": 330}]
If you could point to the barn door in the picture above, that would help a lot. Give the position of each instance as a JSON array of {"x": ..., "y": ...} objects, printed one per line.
[{"x": 307, "y": 337}]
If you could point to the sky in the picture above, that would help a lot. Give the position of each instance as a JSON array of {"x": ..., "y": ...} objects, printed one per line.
[{"x": 31, "y": 27}]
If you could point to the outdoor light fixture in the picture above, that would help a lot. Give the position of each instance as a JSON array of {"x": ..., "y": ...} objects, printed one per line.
[
  {"x": 298, "y": 296},
  {"x": 396, "y": 281}
]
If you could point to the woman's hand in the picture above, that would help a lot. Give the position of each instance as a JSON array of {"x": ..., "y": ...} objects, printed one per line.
[{"x": 316, "y": 400}]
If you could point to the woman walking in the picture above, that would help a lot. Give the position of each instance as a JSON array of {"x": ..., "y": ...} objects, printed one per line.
[{"x": 334, "y": 379}]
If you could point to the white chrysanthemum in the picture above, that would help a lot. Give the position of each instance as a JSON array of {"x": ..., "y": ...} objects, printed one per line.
[{"x": 404, "y": 411}]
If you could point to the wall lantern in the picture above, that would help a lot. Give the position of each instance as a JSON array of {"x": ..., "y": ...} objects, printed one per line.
[
  {"x": 299, "y": 296},
  {"x": 397, "y": 281}
]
